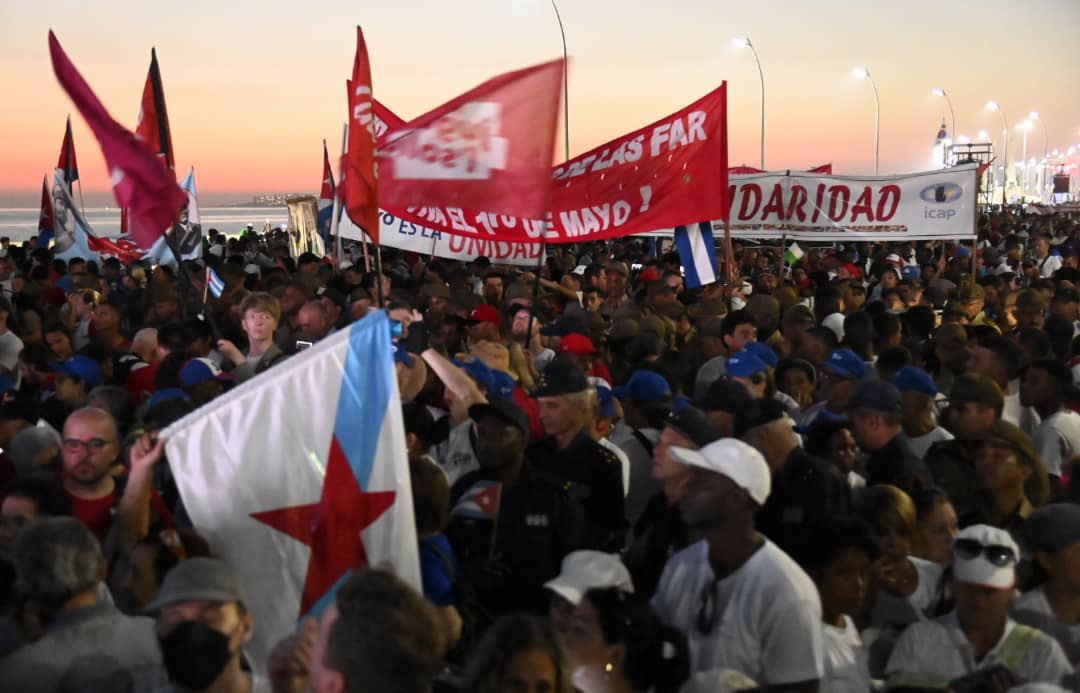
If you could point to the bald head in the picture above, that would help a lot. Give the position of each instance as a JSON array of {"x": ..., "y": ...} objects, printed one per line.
[
  {"x": 92, "y": 418},
  {"x": 314, "y": 320},
  {"x": 145, "y": 344}
]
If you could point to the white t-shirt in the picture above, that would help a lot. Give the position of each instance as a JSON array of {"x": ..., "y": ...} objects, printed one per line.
[
  {"x": 10, "y": 348},
  {"x": 939, "y": 651},
  {"x": 920, "y": 444},
  {"x": 1024, "y": 418},
  {"x": 1057, "y": 439},
  {"x": 846, "y": 668},
  {"x": 1049, "y": 265},
  {"x": 891, "y": 611},
  {"x": 768, "y": 615},
  {"x": 1032, "y": 609}
]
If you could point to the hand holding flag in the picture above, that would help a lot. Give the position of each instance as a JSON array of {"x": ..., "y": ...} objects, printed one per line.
[{"x": 140, "y": 181}]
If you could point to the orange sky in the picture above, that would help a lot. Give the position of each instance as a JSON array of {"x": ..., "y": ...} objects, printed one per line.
[{"x": 252, "y": 91}]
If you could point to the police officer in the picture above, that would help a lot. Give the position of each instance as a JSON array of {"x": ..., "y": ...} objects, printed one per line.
[
  {"x": 509, "y": 527},
  {"x": 570, "y": 457}
]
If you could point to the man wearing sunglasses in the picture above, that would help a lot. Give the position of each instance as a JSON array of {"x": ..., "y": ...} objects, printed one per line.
[
  {"x": 743, "y": 603},
  {"x": 978, "y": 642}
]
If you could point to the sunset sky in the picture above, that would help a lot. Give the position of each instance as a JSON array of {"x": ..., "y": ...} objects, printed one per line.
[{"x": 254, "y": 87}]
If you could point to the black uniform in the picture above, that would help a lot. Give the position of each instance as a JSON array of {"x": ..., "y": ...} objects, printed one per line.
[{"x": 592, "y": 475}]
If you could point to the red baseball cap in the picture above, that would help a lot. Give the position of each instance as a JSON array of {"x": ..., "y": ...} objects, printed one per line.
[
  {"x": 484, "y": 313},
  {"x": 578, "y": 344},
  {"x": 649, "y": 275}
]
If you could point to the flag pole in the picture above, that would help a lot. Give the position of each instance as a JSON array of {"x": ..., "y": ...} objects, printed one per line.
[
  {"x": 335, "y": 221},
  {"x": 174, "y": 246}
]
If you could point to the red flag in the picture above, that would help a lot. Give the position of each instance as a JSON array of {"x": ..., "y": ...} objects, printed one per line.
[
  {"x": 385, "y": 119},
  {"x": 153, "y": 124},
  {"x": 360, "y": 181},
  {"x": 45, "y": 218},
  {"x": 489, "y": 149},
  {"x": 743, "y": 170},
  {"x": 140, "y": 182},
  {"x": 122, "y": 249},
  {"x": 66, "y": 162},
  {"x": 824, "y": 168}
]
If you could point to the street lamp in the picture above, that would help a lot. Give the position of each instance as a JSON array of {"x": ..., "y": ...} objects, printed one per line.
[
  {"x": 938, "y": 91},
  {"x": 1034, "y": 116},
  {"x": 566, "y": 84},
  {"x": 744, "y": 42},
  {"x": 864, "y": 73},
  {"x": 1025, "y": 126},
  {"x": 995, "y": 106}
]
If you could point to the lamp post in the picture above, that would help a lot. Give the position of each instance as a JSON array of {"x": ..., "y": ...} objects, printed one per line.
[
  {"x": 1024, "y": 126},
  {"x": 1034, "y": 116},
  {"x": 566, "y": 84},
  {"x": 995, "y": 106},
  {"x": 744, "y": 42},
  {"x": 864, "y": 73},
  {"x": 938, "y": 91}
]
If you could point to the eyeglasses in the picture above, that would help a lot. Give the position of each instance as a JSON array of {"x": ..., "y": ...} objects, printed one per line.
[
  {"x": 707, "y": 612},
  {"x": 998, "y": 555},
  {"x": 91, "y": 446}
]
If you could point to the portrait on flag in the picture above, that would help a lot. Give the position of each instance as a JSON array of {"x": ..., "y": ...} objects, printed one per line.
[{"x": 321, "y": 492}]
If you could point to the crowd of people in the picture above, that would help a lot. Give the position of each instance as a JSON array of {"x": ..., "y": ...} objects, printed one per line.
[{"x": 857, "y": 472}]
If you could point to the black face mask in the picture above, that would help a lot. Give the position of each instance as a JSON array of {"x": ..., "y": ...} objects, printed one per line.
[{"x": 195, "y": 654}]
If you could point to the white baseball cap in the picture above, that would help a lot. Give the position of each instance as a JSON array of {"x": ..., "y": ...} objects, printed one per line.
[
  {"x": 734, "y": 459},
  {"x": 586, "y": 570},
  {"x": 985, "y": 555}
]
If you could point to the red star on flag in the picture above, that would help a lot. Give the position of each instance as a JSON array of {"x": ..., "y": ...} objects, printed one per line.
[{"x": 331, "y": 527}]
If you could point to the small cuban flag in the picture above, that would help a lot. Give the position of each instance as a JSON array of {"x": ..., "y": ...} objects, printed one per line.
[
  {"x": 697, "y": 253},
  {"x": 214, "y": 284},
  {"x": 480, "y": 502}
]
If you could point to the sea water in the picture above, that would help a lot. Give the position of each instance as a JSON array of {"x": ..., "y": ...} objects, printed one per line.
[{"x": 21, "y": 224}]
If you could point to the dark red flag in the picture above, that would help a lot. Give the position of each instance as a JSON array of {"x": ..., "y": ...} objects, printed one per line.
[
  {"x": 140, "y": 181},
  {"x": 66, "y": 162},
  {"x": 153, "y": 124},
  {"x": 45, "y": 218},
  {"x": 360, "y": 181}
]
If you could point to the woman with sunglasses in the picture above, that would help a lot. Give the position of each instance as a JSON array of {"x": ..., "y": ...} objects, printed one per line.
[
  {"x": 977, "y": 646},
  {"x": 1052, "y": 536},
  {"x": 617, "y": 645}
]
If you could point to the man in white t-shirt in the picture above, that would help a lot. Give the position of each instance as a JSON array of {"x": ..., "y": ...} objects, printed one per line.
[
  {"x": 918, "y": 394},
  {"x": 978, "y": 637},
  {"x": 1044, "y": 386},
  {"x": 742, "y": 602}
]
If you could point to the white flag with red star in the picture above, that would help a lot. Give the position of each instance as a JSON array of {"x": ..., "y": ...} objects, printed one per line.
[{"x": 300, "y": 476}]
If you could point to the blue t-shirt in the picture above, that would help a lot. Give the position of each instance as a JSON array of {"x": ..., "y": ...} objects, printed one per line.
[{"x": 438, "y": 567}]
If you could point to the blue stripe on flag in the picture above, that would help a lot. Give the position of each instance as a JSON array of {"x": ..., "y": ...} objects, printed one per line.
[
  {"x": 365, "y": 393},
  {"x": 216, "y": 284},
  {"x": 697, "y": 253}
]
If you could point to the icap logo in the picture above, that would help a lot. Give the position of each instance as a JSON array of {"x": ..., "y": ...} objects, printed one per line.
[{"x": 942, "y": 193}]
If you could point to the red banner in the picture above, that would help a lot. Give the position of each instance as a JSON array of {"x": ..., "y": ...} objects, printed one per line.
[
  {"x": 360, "y": 180},
  {"x": 486, "y": 153},
  {"x": 153, "y": 124},
  {"x": 670, "y": 173}
]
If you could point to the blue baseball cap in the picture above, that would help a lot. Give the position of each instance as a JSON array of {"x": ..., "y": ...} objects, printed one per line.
[
  {"x": 502, "y": 385},
  {"x": 644, "y": 386},
  {"x": 169, "y": 393},
  {"x": 764, "y": 352},
  {"x": 82, "y": 367},
  {"x": 200, "y": 370},
  {"x": 478, "y": 371},
  {"x": 847, "y": 363},
  {"x": 744, "y": 364},
  {"x": 607, "y": 401},
  {"x": 910, "y": 271},
  {"x": 910, "y": 378}
]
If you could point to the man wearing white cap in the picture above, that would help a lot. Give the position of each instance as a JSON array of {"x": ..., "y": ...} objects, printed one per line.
[
  {"x": 743, "y": 603},
  {"x": 978, "y": 640},
  {"x": 583, "y": 571}
]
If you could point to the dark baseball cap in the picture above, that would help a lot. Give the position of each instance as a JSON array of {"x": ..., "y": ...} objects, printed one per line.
[
  {"x": 1051, "y": 527},
  {"x": 758, "y": 412},
  {"x": 974, "y": 387},
  {"x": 560, "y": 378},
  {"x": 566, "y": 324},
  {"x": 504, "y": 409},
  {"x": 1008, "y": 435},
  {"x": 875, "y": 395},
  {"x": 692, "y": 423},
  {"x": 724, "y": 395}
]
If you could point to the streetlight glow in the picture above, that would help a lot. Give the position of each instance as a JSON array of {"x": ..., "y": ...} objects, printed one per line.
[
  {"x": 993, "y": 106},
  {"x": 983, "y": 135},
  {"x": 741, "y": 42},
  {"x": 1034, "y": 115},
  {"x": 860, "y": 73}
]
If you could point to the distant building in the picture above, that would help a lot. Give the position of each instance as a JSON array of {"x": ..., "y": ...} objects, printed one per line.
[{"x": 272, "y": 199}]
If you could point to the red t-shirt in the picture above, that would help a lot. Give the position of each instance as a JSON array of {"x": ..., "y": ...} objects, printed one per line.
[
  {"x": 96, "y": 514},
  {"x": 140, "y": 382}
]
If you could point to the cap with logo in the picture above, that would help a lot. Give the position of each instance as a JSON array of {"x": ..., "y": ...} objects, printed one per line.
[
  {"x": 764, "y": 352},
  {"x": 484, "y": 313},
  {"x": 845, "y": 363},
  {"x": 692, "y": 423},
  {"x": 200, "y": 370},
  {"x": 82, "y": 367},
  {"x": 560, "y": 378},
  {"x": 734, "y": 459},
  {"x": 744, "y": 364},
  {"x": 588, "y": 570}
]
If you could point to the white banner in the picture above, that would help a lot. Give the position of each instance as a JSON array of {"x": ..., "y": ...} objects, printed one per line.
[{"x": 405, "y": 235}]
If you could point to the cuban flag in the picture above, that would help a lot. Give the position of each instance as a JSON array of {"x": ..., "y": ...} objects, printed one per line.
[
  {"x": 45, "y": 216},
  {"x": 697, "y": 253},
  {"x": 480, "y": 502},
  {"x": 326, "y": 198},
  {"x": 188, "y": 225},
  {"x": 214, "y": 283},
  {"x": 300, "y": 477},
  {"x": 71, "y": 233}
]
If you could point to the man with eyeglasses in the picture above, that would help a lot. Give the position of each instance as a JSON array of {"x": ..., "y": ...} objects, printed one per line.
[
  {"x": 977, "y": 642},
  {"x": 743, "y": 603},
  {"x": 91, "y": 449}
]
